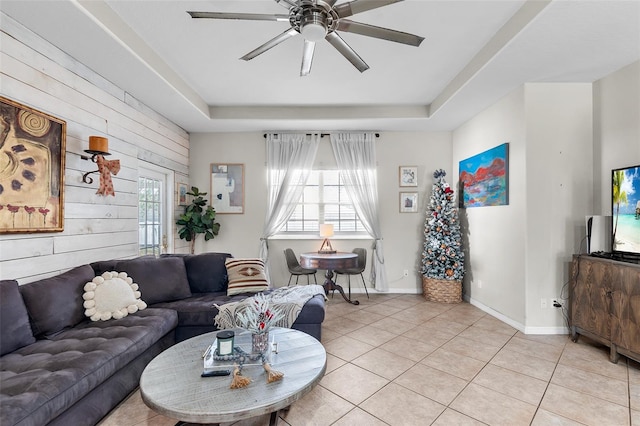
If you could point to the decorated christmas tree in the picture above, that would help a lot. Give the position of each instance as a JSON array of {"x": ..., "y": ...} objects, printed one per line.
[{"x": 442, "y": 257}]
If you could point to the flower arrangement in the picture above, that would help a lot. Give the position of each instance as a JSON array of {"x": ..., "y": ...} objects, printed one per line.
[{"x": 259, "y": 316}]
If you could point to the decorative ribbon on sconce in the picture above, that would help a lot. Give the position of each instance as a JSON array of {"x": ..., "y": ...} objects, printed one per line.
[
  {"x": 106, "y": 168},
  {"x": 98, "y": 148}
]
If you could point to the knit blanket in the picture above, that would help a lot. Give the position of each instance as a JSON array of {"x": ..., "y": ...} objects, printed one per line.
[{"x": 288, "y": 300}]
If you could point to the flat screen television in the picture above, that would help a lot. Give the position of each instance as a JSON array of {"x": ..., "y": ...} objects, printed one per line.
[{"x": 625, "y": 209}]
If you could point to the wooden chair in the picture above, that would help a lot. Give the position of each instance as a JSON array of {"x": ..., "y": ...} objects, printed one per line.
[{"x": 296, "y": 269}]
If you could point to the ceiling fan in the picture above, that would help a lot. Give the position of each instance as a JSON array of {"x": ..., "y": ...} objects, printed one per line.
[{"x": 318, "y": 19}]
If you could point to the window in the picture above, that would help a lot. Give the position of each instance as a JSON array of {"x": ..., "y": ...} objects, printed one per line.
[{"x": 324, "y": 200}]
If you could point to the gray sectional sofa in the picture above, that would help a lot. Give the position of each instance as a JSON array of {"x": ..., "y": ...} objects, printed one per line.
[{"x": 59, "y": 368}]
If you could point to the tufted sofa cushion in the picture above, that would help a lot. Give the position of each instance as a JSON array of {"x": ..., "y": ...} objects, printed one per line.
[
  {"x": 206, "y": 272},
  {"x": 42, "y": 380},
  {"x": 159, "y": 279},
  {"x": 198, "y": 309},
  {"x": 102, "y": 266},
  {"x": 56, "y": 303},
  {"x": 196, "y": 313},
  {"x": 15, "y": 330}
]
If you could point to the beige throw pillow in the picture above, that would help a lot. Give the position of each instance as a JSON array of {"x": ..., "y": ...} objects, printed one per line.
[
  {"x": 111, "y": 295},
  {"x": 246, "y": 276}
]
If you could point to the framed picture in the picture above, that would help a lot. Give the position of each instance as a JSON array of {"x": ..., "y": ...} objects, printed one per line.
[
  {"x": 32, "y": 158},
  {"x": 408, "y": 202},
  {"x": 408, "y": 176},
  {"x": 227, "y": 188},
  {"x": 484, "y": 178},
  {"x": 183, "y": 188}
]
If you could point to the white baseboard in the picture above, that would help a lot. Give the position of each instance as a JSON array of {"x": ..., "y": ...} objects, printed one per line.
[
  {"x": 515, "y": 324},
  {"x": 360, "y": 290},
  {"x": 546, "y": 330},
  {"x": 518, "y": 326},
  {"x": 496, "y": 314}
]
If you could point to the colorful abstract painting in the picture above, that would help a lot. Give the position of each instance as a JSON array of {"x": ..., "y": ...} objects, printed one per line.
[{"x": 484, "y": 178}]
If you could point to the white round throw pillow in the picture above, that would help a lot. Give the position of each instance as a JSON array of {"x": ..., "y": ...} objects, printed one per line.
[{"x": 111, "y": 295}]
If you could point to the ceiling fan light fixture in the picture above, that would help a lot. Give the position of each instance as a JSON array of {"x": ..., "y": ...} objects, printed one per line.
[
  {"x": 313, "y": 26},
  {"x": 313, "y": 32}
]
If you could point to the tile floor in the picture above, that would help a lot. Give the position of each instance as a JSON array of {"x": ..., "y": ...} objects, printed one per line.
[{"x": 399, "y": 360}]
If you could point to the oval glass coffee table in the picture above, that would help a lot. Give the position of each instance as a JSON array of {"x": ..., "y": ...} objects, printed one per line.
[{"x": 172, "y": 386}]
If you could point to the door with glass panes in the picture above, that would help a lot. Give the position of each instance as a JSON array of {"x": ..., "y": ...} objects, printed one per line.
[{"x": 152, "y": 201}]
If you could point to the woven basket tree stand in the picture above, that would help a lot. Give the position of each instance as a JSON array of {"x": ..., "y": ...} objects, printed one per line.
[{"x": 442, "y": 291}]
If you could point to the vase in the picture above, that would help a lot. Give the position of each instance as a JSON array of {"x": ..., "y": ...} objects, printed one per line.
[{"x": 259, "y": 342}]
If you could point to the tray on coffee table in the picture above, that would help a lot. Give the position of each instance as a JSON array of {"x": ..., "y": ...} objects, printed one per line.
[{"x": 242, "y": 353}]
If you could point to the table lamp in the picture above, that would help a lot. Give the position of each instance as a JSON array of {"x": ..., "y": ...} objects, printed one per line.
[{"x": 326, "y": 231}]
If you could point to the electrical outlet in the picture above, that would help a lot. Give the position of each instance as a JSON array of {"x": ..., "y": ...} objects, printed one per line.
[
  {"x": 405, "y": 273},
  {"x": 543, "y": 303},
  {"x": 479, "y": 283}
]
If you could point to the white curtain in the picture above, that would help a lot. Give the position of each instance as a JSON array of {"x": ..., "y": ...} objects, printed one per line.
[
  {"x": 289, "y": 162},
  {"x": 356, "y": 159}
]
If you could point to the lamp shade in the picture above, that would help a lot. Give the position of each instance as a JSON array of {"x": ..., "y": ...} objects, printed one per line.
[{"x": 326, "y": 230}]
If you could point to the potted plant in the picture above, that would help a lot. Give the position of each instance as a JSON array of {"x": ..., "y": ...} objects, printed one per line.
[
  {"x": 197, "y": 219},
  {"x": 442, "y": 257}
]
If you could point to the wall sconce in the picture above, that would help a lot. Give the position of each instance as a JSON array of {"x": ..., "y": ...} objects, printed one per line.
[
  {"x": 98, "y": 148},
  {"x": 326, "y": 231}
]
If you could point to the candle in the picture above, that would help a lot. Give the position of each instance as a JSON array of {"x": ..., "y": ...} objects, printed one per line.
[
  {"x": 225, "y": 342},
  {"x": 98, "y": 143}
]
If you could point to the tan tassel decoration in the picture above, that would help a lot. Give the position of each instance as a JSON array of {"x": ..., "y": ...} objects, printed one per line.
[
  {"x": 239, "y": 381},
  {"x": 272, "y": 375}
]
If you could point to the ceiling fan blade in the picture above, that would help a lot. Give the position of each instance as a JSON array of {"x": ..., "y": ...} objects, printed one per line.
[
  {"x": 245, "y": 16},
  {"x": 379, "y": 32},
  {"x": 307, "y": 57},
  {"x": 271, "y": 43},
  {"x": 287, "y": 3},
  {"x": 346, "y": 50},
  {"x": 357, "y": 6},
  {"x": 330, "y": 3}
]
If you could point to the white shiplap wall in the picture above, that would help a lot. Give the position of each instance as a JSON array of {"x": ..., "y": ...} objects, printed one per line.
[{"x": 39, "y": 75}]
